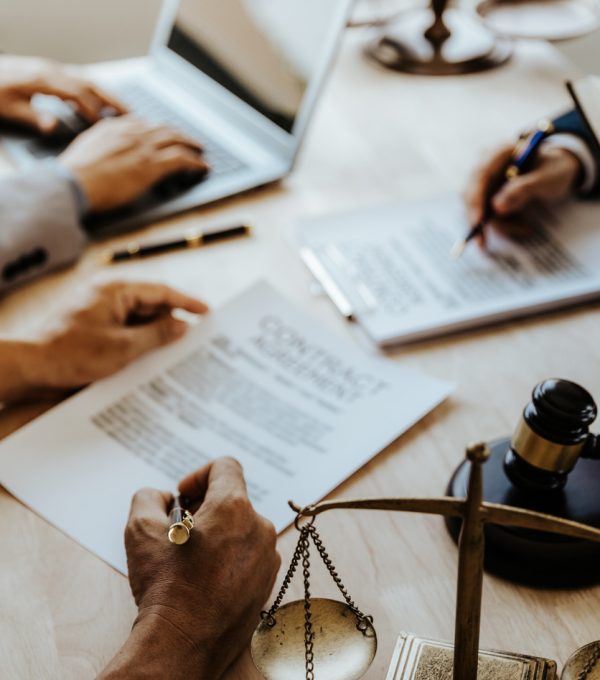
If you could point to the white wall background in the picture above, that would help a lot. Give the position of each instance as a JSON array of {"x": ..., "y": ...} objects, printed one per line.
[
  {"x": 77, "y": 30},
  {"x": 585, "y": 52},
  {"x": 94, "y": 30}
]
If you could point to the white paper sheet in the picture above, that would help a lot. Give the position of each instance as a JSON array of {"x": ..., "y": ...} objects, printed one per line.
[
  {"x": 393, "y": 265},
  {"x": 301, "y": 409}
]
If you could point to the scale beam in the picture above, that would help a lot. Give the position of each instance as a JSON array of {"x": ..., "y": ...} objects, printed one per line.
[
  {"x": 475, "y": 514},
  {"x": 447, "y": 506}
]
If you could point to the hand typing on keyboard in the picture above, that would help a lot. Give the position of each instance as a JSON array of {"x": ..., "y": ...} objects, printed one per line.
[
  {"x": 24, "y": 78},
  {"x": 119, "y": 159},
  {"x": 115, "y": 158}
]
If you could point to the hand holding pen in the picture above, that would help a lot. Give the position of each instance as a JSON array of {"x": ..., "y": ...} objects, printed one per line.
[
  {"x": 199, "y": 602},
  {"x": 543, "y": 175}
]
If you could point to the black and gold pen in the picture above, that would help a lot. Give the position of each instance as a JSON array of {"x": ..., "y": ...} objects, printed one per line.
[
  {"x": 181, "y": 522},
  {"x": 192, "y": 239}
]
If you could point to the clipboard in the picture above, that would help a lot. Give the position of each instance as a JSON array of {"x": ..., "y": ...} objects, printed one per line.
[{"x": 388, "y": 268}]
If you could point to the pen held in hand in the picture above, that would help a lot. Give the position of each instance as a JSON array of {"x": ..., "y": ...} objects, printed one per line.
[
  {"x": 521, "y": 158},
  {"x": 459, "y": 247},
  {"x": 193, "y": 239},
  {"x": 181, "y": 522}
]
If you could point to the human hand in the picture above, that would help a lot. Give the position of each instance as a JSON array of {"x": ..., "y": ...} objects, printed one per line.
[
  {"x": 117, "y": 323},
  {"x": 198, "y": 602},
  {"x": 23, "y": 77},
  {"x": 551, "y": 179},
  {"x": 119, "y": 159}
]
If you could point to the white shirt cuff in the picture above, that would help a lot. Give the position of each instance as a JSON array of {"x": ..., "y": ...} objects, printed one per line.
[{"x": 580, "y": 149}]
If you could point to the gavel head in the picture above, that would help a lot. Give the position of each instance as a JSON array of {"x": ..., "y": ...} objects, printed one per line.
[{"x": 551, "y": 436}]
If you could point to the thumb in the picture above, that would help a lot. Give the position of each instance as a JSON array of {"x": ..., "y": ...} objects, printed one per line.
[
  {"x": 162, "y": 331},
  {"x": 22, "y": 112}
]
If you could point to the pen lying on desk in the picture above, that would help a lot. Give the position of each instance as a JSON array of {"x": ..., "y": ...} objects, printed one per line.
[
  {"x": 522, "y": 155},
  {"x": 193, "y": 239}
]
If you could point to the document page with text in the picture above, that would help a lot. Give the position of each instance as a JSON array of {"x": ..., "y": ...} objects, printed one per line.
[
  {"x": 393, "y": 264},
  {"x": 299, "y": 407}
]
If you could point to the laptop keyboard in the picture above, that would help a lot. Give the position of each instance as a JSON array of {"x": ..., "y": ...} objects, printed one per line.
[{"x": 141, "y": 101}]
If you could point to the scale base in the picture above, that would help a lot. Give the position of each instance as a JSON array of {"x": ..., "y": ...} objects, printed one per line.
[
  {"x": 425, "y": 659},
  {"x": 469, "y": 46},
  {"x": 532, "y": 557}
]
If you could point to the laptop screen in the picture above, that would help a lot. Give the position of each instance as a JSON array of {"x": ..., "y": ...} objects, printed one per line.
[{"x": 263, "y": 51}]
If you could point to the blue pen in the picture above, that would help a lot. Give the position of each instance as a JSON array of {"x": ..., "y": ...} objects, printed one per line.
[{"x": 522, "y": 154}]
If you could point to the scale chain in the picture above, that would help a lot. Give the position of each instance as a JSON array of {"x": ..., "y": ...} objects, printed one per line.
[
  {"x": 363, "y": 620},
  {"x": 302, "y": 555},
  {"x": 269, "y": 616},
  {"x": 309, "y": 635}
]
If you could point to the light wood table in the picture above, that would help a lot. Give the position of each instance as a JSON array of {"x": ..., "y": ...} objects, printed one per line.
[{"x": 377, "y": 136}]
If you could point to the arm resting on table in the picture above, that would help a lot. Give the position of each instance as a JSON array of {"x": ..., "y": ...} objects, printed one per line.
[{"x": 39, "y": 224}]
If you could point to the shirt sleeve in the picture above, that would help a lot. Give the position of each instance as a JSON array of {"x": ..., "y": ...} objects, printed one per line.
[
  {"x": 573, "y": 124},
  {"x": 40, "y": 226},
  {"x": 581, "y": 151},
  {"x": 81, "y": 200}
]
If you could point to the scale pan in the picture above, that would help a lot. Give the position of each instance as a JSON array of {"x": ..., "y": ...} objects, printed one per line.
[
  {"x": 341, "y": 651},
  {"x": 552, "y": 20},
  {"x": 584, "y": 663}
]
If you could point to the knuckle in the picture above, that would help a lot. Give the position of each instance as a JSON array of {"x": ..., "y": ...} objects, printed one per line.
[
  {"x": 122, "y": 343},
  {"x": 238, "y": 505},
  {"x": 109, "y": 289},
  {"x": 123, "y": 121},
  {"x": 109, "y": 286},
  {"x": 165, "y": 331},
  {"x": 142, "y": 526},
  {"x": 242, "y": 502},
  {"x": 270, "y": 534},
  {"x": 142, "y": 494},
  {"x": 270, "y": 530},
  {"x": 107, "y": 124},
  {"x": 519, "y": 193},
  {"x": 529, "y": 182},
  {"x": 230, "y": 461}
]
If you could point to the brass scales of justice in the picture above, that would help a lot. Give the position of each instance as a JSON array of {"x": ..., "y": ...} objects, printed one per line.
[{"x": 331, "y": 640}]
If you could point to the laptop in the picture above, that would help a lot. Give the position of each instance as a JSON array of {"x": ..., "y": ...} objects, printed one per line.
[{"x": 240, "y": 76}]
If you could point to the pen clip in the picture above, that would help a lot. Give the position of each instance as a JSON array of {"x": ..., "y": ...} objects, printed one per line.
[
  {"x": 328, "y": 283},
  {"x": 349, "y": 270},
  {"x": 194, "y": 238}
]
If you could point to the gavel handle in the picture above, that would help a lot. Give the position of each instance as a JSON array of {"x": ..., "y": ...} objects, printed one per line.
[{"x": 592, "y": 447}]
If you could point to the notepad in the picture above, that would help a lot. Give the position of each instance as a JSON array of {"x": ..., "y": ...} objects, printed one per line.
[{"x": 389, "y": 268}]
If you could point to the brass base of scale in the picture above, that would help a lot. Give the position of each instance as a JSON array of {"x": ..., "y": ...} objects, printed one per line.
[
  {"x": 423, "y": 659},
  {"x": 418, "y": 658},
  {"x": 439, "y": 42}
]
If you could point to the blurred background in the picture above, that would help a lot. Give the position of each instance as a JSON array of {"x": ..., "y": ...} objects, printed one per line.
[
  {"x": 81, "y": 31},
  {"x": 88, "y": 30}
]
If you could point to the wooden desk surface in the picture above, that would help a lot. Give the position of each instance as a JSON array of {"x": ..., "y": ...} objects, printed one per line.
[{"x": 376, "y": 137}]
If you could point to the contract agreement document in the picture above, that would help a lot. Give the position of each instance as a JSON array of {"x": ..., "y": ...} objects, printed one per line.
[
  {"x": 390, "y": 268},
  {"x": 299, "y": 407}
]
